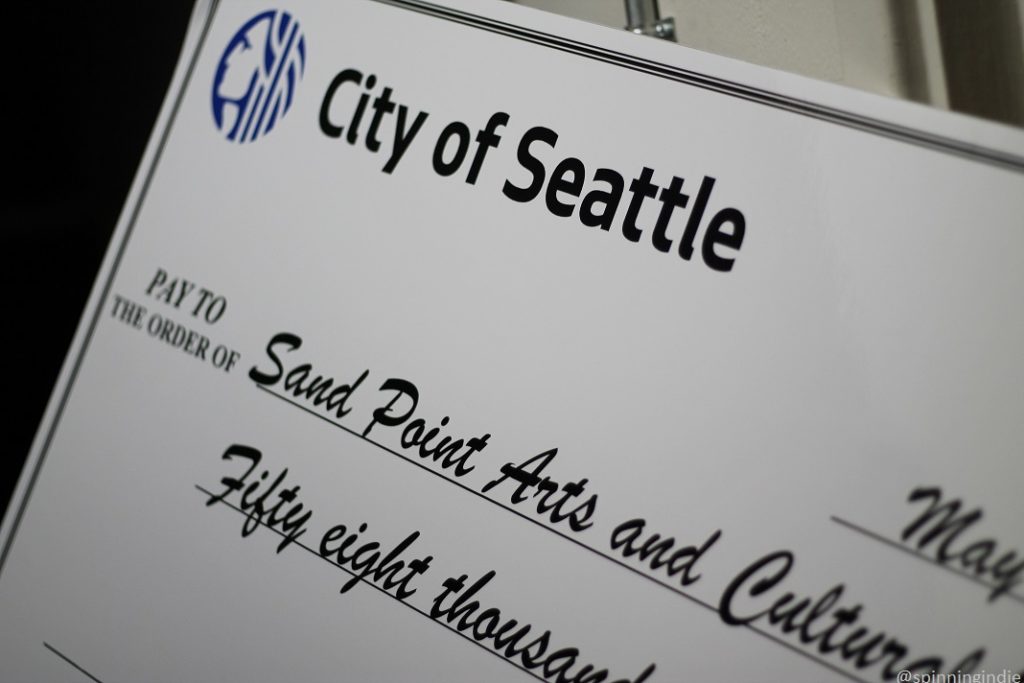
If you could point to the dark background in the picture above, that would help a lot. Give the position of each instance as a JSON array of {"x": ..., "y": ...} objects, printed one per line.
[{"x": 83, "y": 85}]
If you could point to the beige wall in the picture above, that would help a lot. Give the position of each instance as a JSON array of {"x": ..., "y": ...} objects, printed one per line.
[{"x": 892, "y": 47}]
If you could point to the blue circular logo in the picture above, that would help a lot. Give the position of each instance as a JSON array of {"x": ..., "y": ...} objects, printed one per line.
[{"x": 257, "y": 76}]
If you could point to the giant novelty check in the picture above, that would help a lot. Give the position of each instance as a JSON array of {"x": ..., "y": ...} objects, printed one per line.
[{"x": 469, "y": 343}]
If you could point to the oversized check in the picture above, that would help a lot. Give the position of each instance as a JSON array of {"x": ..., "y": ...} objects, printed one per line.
[{"x": 469, "y": 343}]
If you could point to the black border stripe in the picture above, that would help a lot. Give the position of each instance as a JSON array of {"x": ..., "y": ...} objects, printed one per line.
[
  {"x": 100, "y": 303},
  {"x": 697, "y": 79}
]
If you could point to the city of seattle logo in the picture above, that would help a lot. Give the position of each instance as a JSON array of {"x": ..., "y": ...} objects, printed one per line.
[{"x": 257, "y": 76}]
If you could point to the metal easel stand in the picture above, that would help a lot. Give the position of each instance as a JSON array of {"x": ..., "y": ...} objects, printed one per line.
[{"x": 642, "y": 17}]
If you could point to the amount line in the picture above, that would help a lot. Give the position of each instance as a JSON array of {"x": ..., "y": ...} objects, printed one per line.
[
  {"x": 374, "y": 586},
  {"x": 577, "y": 542},
  {"x": 921, "y": 556},
  {"x": 70, "y": 661}
]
